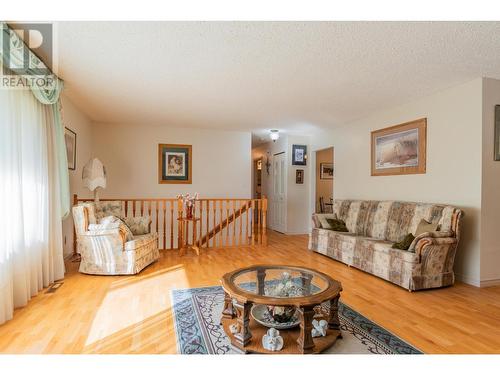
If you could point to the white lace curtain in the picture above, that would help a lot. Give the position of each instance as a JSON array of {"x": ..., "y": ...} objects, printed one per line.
[{"x": 34, "y": 195}]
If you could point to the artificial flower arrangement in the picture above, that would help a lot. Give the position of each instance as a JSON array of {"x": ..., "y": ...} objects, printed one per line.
[{"x": 188, "y": 201}]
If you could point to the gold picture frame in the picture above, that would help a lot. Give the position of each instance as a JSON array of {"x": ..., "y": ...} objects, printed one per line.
[
  {"x": 399, "y": 149},
  {"x": 175, "y": 164}
]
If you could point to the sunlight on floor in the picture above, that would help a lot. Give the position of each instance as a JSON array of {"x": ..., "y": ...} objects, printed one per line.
[{"x": 130, "y": 301}]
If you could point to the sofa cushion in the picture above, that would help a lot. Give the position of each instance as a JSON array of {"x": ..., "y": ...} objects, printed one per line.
[
  {"x": 367, "y": 245},
  {"x": 347, "y": 245},
  {"x": 140, "y": 241}
]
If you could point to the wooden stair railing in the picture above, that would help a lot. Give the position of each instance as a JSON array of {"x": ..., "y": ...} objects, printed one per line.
[{"x": 224, "y": 222}]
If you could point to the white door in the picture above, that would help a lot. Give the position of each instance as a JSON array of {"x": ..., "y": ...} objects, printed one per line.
[{"x": 279, "y": 193}]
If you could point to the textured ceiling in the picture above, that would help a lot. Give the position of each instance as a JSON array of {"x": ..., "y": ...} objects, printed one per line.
[{"x": 293, "y": 76}]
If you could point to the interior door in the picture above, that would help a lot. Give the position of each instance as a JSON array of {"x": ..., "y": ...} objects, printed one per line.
[{"x": 279, "y": 192}]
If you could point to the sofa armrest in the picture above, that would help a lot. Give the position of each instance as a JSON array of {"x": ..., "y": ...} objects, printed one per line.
[
  {"x": 429, "y": 237},
  {"x": 436, "y": 251},
  {"x": 315, "y": 221}
]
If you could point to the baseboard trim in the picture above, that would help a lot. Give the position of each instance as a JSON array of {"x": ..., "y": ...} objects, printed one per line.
[
  {"x": 468, "y": 280},
  {"x": 489, "y": 282},
  {"x": 296, "y": 233}
]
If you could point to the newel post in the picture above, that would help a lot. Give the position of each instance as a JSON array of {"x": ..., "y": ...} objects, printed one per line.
[
  {"x": 264, "y": 221},
  {"x": 180, "y": 223}
]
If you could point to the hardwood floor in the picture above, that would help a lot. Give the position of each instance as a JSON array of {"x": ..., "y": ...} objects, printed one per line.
[{"x": 132, "y": 314}]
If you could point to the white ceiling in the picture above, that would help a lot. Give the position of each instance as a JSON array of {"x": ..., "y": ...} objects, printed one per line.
[{"x": 293, "y": 76}]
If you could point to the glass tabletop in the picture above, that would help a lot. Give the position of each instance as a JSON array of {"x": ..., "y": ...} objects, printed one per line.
[{"x": 280, "y": 282}]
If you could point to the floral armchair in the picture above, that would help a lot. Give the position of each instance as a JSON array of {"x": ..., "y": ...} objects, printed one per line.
[{"x": 107, "y": 245}]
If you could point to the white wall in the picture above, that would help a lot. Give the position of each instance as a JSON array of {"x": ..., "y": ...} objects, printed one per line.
[
  {"x": 298, "y": 209},
  {"x": 75, "y": 120},
  {"x": 490, "y": 213},
  {"x": 454, "y": 137},
  {"x": 221, "y": 161}
]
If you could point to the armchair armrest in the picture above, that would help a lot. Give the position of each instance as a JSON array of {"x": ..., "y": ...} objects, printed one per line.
[{"x": 112, "y": 232}]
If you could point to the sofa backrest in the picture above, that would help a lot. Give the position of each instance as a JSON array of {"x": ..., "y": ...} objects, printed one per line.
[
  {"x": 108, "y": 208},
  {"x": 392, "y": 220}
]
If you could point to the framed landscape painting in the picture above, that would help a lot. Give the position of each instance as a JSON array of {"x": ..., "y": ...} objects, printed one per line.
[
  {"x": 399, "y": 149},
  {"x": 175, "y": 164}
]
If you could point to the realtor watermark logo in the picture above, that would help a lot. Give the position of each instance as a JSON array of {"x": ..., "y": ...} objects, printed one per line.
[{"x": 23, "y": 45}]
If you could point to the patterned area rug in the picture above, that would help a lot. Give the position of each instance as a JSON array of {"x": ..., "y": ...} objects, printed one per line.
[{"x": 197, "y": 314}]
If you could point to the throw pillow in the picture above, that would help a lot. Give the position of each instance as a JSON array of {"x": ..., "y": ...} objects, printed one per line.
[
  {"x": 337, "y": 225},
  {"x": 138, "y": 224},
  {"x": 323, "y": 220},
  {"x": 405, "y": 243},
  {"x": 424, "y": 226},
  {"x": 112, "y": 222}
]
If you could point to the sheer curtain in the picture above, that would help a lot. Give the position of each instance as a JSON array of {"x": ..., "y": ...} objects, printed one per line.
[{"x": 31, "y": 249}]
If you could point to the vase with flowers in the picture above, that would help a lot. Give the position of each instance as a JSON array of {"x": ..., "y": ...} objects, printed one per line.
[{"x": 188, "y": 202}]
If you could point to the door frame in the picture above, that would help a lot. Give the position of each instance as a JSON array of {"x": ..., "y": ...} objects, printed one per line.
[{"x": 274, "y": 225}]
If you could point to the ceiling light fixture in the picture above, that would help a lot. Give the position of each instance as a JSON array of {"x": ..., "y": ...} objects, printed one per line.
[{"x": 274, "y": 134}]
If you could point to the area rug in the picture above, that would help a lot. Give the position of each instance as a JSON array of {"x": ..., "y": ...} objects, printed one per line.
[{"x": 197, "y": 313}]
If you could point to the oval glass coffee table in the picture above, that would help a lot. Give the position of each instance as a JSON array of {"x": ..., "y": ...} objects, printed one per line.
[{"x": 314, "y": 294}]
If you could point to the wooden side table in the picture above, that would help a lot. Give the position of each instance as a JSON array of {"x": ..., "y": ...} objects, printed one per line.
[{"x": 183, "y": 241}]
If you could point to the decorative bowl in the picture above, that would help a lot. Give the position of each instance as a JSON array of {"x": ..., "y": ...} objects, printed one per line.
[
  {"x": 281, "y": 314},
  {"x": 262, "y": 316}
]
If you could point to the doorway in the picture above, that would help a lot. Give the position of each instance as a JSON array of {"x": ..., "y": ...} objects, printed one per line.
[{"x": 324, "y": 180}]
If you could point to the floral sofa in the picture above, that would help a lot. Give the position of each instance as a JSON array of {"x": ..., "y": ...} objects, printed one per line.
[
  {"x": 111, "y": 247},
  {"x": 374, "y": 226}
]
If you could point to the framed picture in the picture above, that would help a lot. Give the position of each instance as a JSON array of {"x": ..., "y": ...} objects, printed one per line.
[
  {"x": 299, "y": 176},
  {"x": 70, "y": 140},
  {"x": 175, "y": 164},
  {"x": 299, "y": 155},
  {"x": 497, "y": 133},
  {"x": 400, "y": 149},
  {"x": 326, "y": 171}
]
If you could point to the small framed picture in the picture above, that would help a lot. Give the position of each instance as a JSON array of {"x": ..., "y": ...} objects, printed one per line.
[
  {"x": 70, "y": 140},
  {"x": 299, "y": 176},
  {"x": 326, "y": 171},
  {"x": 299, "y": 155},
  {"x": 175, "y": 164}
]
